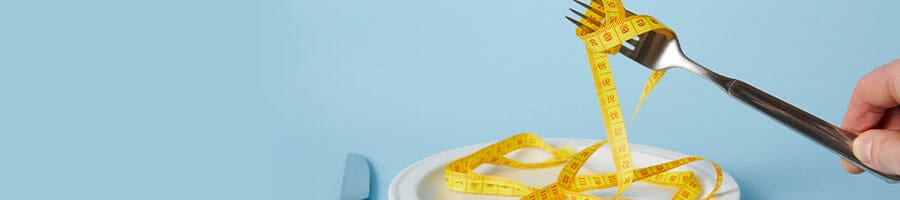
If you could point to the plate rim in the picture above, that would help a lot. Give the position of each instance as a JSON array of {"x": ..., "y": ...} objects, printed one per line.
[{"x": 393, "y": 190}]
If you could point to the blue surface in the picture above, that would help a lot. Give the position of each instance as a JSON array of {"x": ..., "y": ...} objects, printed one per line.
[{"x": 263, "y": 99}]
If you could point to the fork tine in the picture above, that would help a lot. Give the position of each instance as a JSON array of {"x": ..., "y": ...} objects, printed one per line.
[
  {"x": 592, "y": 9},
  {"x": 589, "y": 29},
  {"x": 625, "y": 51},
  {"x": 632, "y": 42},
  {"x": 592, "y": 21},
  {"x": 574, "y": 21},
  {"x": 627, "y": 12}
]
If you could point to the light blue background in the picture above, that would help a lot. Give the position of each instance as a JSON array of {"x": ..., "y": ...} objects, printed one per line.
[{"x": 208, "y": 99}]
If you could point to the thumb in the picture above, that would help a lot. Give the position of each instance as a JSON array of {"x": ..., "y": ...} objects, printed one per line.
[{"x": 879, "y": 149}]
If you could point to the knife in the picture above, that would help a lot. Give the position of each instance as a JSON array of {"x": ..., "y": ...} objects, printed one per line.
[{"x": 356, "y": 178}]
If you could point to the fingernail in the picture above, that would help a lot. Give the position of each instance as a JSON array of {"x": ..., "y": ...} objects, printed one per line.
[{"x": 862, "y": 149}]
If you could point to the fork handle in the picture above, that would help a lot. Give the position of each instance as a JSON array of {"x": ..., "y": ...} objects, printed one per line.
[{"x": 838, "y": 140}]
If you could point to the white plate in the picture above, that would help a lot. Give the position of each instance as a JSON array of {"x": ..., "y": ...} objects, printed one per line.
[{"x": 425, "y": 178}]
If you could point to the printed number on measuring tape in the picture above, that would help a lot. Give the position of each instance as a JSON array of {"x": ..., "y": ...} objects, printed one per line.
[{"x": 605, "y": 29}]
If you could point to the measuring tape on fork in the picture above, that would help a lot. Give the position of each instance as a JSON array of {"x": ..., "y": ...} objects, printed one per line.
[{"x": 600, "y": 40}]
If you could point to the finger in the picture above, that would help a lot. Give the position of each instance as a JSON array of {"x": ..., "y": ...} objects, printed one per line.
[
  {"x": 850, "y": 168},
  {"x": 875, "y": 92},
  {"x": 879, "y": 149},
  {"x": 890, "y": 120}
]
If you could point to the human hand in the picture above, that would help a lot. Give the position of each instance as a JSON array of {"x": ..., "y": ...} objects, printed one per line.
[{"x": 874, "y": 114}]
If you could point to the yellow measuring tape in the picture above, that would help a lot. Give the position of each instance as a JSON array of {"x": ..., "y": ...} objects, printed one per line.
[{"x": 602, "y": 36}]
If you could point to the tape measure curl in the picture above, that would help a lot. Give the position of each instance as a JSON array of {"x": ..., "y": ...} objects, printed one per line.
[{"x": 604, "y": 35}]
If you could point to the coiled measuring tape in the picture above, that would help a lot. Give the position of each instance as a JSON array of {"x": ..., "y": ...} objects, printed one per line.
[{"x": 605, "y": 39}]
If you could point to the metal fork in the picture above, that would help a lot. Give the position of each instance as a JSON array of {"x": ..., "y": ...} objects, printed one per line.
[{"x": 661, "y": 51}]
